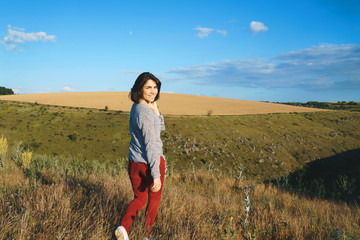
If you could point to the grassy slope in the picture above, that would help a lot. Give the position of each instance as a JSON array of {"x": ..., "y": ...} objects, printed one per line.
[
  {"x": 57, "y": 199},
  {"x": 266, "y": 145},
  {"x": 70, "y": 198}
]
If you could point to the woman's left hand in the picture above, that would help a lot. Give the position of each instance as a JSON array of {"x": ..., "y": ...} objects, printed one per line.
[{"x": 156, "y": 186}]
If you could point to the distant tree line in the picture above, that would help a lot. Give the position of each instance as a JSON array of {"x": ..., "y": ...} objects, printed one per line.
[
  {"x": 6, "y": 91},
  {"x": 340, "y": 105},
  {"x": 348, "y": 103}
]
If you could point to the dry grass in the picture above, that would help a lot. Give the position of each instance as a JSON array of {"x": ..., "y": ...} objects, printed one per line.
[
  {"x": 76, "y": 198},
  {"x": 195, "y": 205},
  {"x": 3, "y": 146},
  {"x": 11, "y": 176},
  {"x": 169, "y": 103}
]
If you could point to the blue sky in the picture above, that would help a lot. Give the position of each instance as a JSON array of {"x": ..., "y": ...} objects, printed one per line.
[{"x": 253, "y": 50}]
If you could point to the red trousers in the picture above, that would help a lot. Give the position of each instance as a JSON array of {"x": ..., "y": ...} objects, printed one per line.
[{"x": 142, "y": 181}]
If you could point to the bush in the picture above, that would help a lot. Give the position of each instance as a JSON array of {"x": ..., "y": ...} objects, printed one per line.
[
  {"x": 6, "y": 91},
  {"x": 3, "y": 149},
  {"x": 17, "y": 151},
  {"x": 73, "y": 136}
]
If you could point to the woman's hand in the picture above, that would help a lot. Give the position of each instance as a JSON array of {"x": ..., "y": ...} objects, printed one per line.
[
  {"x": 157, "y": 185},
  {"x": 153, "y": 106}
]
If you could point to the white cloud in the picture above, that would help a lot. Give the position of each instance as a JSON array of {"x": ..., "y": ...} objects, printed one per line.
[
  {"x": 223, "y": 32},
  {"x": 11, "y": 47},
  {"x": 68, "y": 89},
  {"x": 256, "y": 27},
  {"x": 324, "y": 67},
  {"x": 16, "y": 28},
  {"x": 17, "y": 91},
  {"x": 17, "y": 35},
  {"x": 205, "y": 32}
]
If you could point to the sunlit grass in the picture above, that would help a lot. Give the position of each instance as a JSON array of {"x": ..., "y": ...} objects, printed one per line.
[
  {"x": 78, "y": 188},
  {"x": 3, "y": 149},
  {"x": 26, "y": 159},
  {"x": 266, "y": 146},
  {"x": 88, "y": 204}
]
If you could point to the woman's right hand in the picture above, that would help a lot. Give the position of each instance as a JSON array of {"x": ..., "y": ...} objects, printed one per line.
[
  {"x": 153, "y": 106},
  {"x": 156, "y": 186}
]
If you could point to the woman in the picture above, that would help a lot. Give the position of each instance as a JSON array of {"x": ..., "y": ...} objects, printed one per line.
[{"x": 146, "y": 160}]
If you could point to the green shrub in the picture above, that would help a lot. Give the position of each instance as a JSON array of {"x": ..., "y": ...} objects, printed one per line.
[{"x": 73, "y": 136}]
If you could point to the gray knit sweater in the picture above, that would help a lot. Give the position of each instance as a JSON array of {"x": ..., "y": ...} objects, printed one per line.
[{"x": 145, "y": 144}]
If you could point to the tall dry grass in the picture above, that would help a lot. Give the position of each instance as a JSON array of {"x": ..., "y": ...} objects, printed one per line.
[
  {"x": 62, "y": 203},
  {"x": 3, "y": 149}
]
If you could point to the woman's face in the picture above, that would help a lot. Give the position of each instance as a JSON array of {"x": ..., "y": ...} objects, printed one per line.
[{"x": 150, "y": 90}]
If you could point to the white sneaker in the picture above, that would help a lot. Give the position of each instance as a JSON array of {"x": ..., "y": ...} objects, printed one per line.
[{"x": 121, "y": 233}]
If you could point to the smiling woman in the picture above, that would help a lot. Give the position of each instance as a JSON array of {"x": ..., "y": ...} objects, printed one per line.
[
  {"x": 146, "y": 159},
  {"x": 150, "y": 91},
  {"x": 143, "y": 84}
]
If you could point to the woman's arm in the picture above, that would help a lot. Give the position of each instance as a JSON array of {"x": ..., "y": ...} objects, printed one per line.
[
  {"x": 154, "y": 108},
  {"x": 150, "y": 137}
]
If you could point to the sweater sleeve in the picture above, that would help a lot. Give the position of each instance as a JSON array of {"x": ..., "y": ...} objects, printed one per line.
[{"x": 149, "y": 135}]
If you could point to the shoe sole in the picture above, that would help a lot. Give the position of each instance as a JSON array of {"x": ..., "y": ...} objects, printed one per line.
[{"x": 119, "y": 235}]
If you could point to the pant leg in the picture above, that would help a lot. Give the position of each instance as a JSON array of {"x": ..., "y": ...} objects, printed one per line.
[
  {"x": 140, "y": 187},
  {"x": 154, "y": 199}
]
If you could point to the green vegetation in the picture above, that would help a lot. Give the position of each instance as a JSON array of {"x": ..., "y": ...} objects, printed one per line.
[
  {"x": 268, "y": 146},
  {"x": 66, "y": 131},
  {"x": 72, "y": 198},
  {"x": 6, "y": 91},
  {"x": 67, "y": 179},
  {"x": 341, "y": 105}
]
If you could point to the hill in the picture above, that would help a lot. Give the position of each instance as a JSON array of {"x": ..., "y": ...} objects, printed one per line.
[
  {"x": 169, "y": 103},
  {"x": 302, "y": 168},
  {"x": 266, "y": 145}
]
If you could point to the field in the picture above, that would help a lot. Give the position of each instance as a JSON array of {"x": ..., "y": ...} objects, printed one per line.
[
  {"x": 302, "y": 170},
  {"x": 66, "y": 199},
  {"x": 169, "y": 103}
]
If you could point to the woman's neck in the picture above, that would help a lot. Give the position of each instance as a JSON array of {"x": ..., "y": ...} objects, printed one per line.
[{"x": 145, "y": 102}]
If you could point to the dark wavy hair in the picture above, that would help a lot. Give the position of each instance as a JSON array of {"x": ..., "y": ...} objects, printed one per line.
[{"x": 136, "y": 91}]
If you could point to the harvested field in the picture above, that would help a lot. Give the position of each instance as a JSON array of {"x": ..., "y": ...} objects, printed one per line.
[{"x": 169, "y": 103}]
